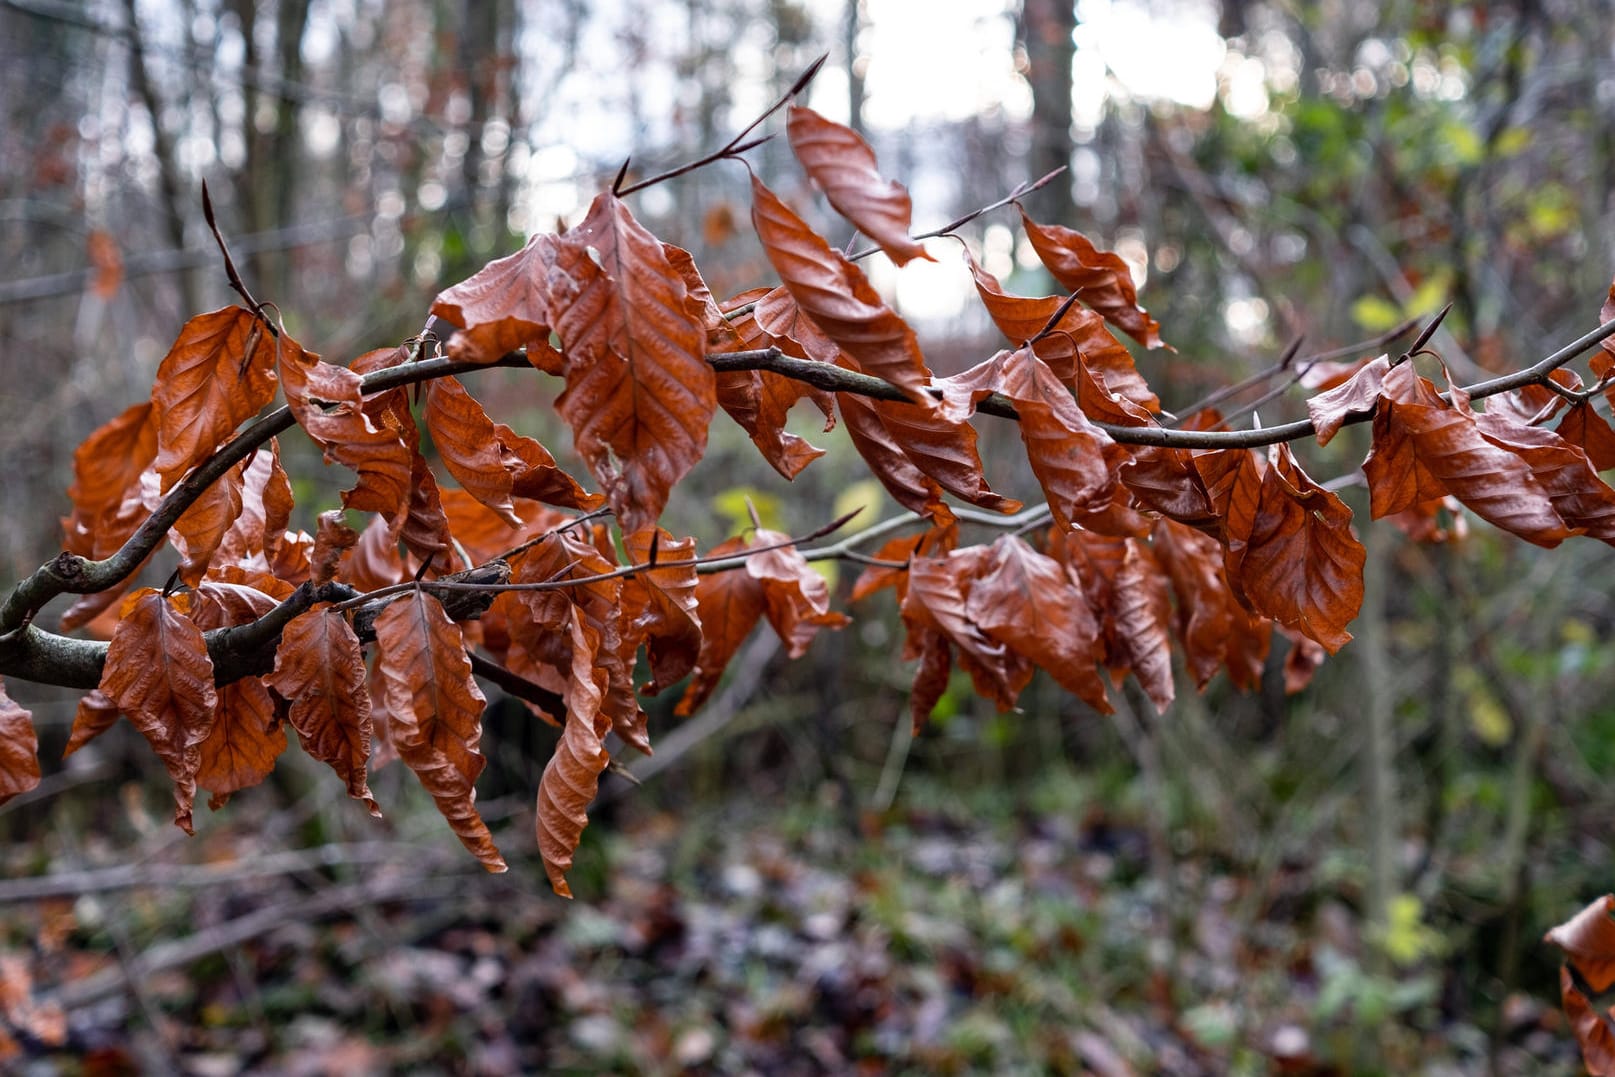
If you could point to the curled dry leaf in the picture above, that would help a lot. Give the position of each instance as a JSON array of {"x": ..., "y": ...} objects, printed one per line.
[
  {"x": 201, "y": 528},
  {"x": 843, "y": 166},
  {"x": 266, "y": 510},
  {"x": 902, "y": 478},
  {"x": 659, "y": 608},
  {"x": 503, "y": 306},
  {"x": 436, "y": 712},
  {"x": 1302, "y": 565},
  {"x": 1213, "y": 628},
  {"x": 1588, "y": 940},
  {"x": 1025, "y": 600},
  {"x": 19, "y": 749},
  {"x": 936, "y": 602},
  {"x": 1425, "y": 447},
  {"x": 320, "y": 670},
  {"x": 1589, "y": 431},
  {"x": 465, "y": 438},
  {"x": 328, "y": 405},
  {"x": 245, "y": 741},
  {"x": 639, "y": 392},
  {"x": 839, "y": 299},
  {"x": 1128, "y": 592},
  {"x": 219, "y": 373},
  {"x": 332, "y": 538},
  {"x": 572, "y": 776},
  {"x": 158, "y": 672},
  {"x": 1594, "y": 1033},
  {"x": 107, "y": 470},
  {"x": 95, "y": 715},
  {"x": 1100, "y": 279},
  {"x": 729, "y": 604},
  {"x": 1079, "y": 334}
]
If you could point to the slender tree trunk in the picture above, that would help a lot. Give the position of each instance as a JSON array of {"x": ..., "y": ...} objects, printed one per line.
[{"x": 1047, "y": 31}]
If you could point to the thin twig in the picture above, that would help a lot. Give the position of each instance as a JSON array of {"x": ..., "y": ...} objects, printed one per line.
[{"x": 732, "y": 148}]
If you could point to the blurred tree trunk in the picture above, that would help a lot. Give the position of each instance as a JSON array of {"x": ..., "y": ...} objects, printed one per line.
[
  {"x": 852, "y": 21},
  {"x": 1046, "y": 31}
]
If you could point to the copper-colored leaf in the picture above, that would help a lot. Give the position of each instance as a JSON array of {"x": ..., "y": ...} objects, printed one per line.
[
  {"x": 374, "y": 562},
  {"x": 836, "y": 295},
  {"x": 19, "y": 749},
  {"x": 540, "y": 478},
  {"x": 1594, "y": 1033},
  {"x": 1101, "y": 279},
  {"x": 332, "y": 537},
  {"x": 1585, "y": 428},
  {"x": 1580, "y": 497},
  {"x": 1425, "y": 447},
  {"x": 908, "y": 485},
  {"x": 796, "y": 599},
  {"x": 221, "y": 604},
  {"x": 484, "y": 535},
  {"x": 1356, "y": 395},
  {"x": 436, "y": 712},
  {"x": 1213, "y": 628},
  {"x": 1588, "y": 940},
  {"x": 640, "y": 394},
  {"x": 95, "y": 715},
  {"x": 937, "y": 600},
  {"x": 503, "y": 306},
  {"x": 320, "y": 669},
  {"x": 266, "y": 508},
  {"x": 729, "y": 605},
  {"x": 1075, "y": 462},
  {"x": 659, "y": 608},
  {"x": 572, "y": 776},
  {"x": 1302, "y": 565},
  {"x": 1603, "y": 361},
  {"x": 1079, "y": 332},
  {"x": 202, "y": 527},
  {"x": 158, "y": 672},
  {"x": 1127, "y": 589},
  {"x": 327, "y": 404},
  {"x": 1301, "y": 662},
  {"x": 843, "y": 166},
  {"x": 1233, "y": 482},
  {"x": 107, "y": 470},
  {"x": 244, "y": 743},
  {"x": 465, "y": 438},
  {"x": 1026, "y": 601},
  {"x": 218, "y": 374}
]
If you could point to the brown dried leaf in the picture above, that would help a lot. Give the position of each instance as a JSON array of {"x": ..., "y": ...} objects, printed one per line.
[
  {"x": 1588, "y": 940},
  {"x": 1590, "y": 432},
  {"x": 95, "y": 715},
  {"x": 937, "y": 601},
  {"x": 465, "y": 438},
  {"x": 839, "y": 299},
  {"x": 796, "y": 599},
  {"x": 244, "y": 743},
  {"x": 908, "y": 485},
  {"x": 572, "y": 776},
  {"x": 158, "y": 672},
  {"x": 107, "y": 470},
  {"x": 345, "y": 433},
  {"x": 218, "y": 374},
  {"x": 201, "y": 528},
  {"x": 19, "y": 749},
  {"x": 659, "y": 609},
  {"x": 1026, "y": 601},
  {"x": 1356, "y": 395},
  {"x": 1425, "y": 447},
  {"x": 435, "y": 709},
  {"x": 1127, "y": 589},
  {"x": 843, "y": 166},
  {"x": 320, "y": 670},
  {"x": 502, "y": 306},
  {"x": 1079, "y": 333},
  {"x": 1593, "y": 1030},
  {"x": 729, "y": 605},
  {"x": 1303, "y": 566},
  {"x": 640, "y": 394},
  {"x": 1101, "y": 279},
  {"x": 332, "y": 538}
]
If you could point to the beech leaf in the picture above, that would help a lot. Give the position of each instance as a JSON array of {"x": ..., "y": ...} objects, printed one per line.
[
  {"x": 1100, "y": 279},
  {"x": 219, "y": 373},
  {"x": 158, "y": 672},
  {"x": 639, "y": 394},
  {"x": 435, "y": 710},
  {"x": 843, "y": 166},
  {"x": 19, "y": 749},
  {"x": 320, "y": 670}
]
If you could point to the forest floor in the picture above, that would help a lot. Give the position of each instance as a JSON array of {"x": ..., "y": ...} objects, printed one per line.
[{"x": 1027, "y": 931}]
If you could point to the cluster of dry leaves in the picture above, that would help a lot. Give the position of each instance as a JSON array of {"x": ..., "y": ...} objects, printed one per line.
[{"x": 1247, "y": 542}]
